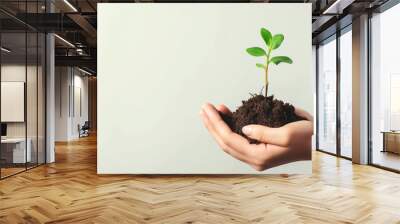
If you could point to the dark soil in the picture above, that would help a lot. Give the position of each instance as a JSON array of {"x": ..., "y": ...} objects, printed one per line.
[{"x": 261, "y": 110}]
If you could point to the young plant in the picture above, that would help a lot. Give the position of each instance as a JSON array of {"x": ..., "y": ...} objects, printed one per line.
[{"x": 272, "y": 42}]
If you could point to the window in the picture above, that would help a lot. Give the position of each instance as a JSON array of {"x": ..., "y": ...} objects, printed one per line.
[
  {"x": 327, "y": 96},
  {"x": 346, "y": 93},
  {"x": 394, "y": 102},
  {"x": 385, "y": 89}
]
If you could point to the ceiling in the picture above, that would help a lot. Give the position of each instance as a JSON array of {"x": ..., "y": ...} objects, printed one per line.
[{"x": 76, "y": 21}]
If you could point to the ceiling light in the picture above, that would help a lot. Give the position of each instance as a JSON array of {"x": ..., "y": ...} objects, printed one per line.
[
  {"x": 79, "y": 51},
  {"x": 70, "y": 5},
  {"x": 333, "y": 6},
  {"x": 65, "y": 41},
  {"x": 338, "y": 6},
  {"x": 84, "y": 71},
  {"x": 5, "y": 50}
]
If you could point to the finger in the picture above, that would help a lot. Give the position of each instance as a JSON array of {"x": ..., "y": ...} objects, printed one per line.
[
  {"x": 212, "y": 131},
  {"x": 223, "y": 109},
  {"x": 276, "y": 136},
  {"x": 300, "y": 129},
  {"x": 216, "y": 121},
  {"x": 207, "y": 124},
  {"x": 302, "y": 113},
  {"x": 219, "y": 141},
  {"x": 233, "y": 140}
]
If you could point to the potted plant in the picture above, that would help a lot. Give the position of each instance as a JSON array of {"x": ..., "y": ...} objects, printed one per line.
[{"x": 263, "y": 109}]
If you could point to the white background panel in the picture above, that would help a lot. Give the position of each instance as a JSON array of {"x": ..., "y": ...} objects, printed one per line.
[{"x": 158, "y": 63}]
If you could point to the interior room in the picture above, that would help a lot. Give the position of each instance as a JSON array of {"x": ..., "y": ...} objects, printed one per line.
[
  {"x": 22, "y": 103},
  {"x": 49, "y": 170}
]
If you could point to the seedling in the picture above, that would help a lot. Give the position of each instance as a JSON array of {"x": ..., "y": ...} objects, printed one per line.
[
  {"x": 260, "y": 109},
  {"x": 273, "y": 43}
]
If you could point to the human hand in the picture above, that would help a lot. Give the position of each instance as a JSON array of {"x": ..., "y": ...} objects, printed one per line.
[{"x": 278, "y": 146}]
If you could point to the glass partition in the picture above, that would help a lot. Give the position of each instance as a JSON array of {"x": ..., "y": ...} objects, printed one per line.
[
  {"x": 13, "y": 109},
  {"x": 32, "y": 98},
  {"x": 346, "y": 93},
  {"x": 385, "y": 89},
  {"x": 41, "y": 97},
  {"x": 22, "y": 101},
  {"x": 327, "y": 96}
]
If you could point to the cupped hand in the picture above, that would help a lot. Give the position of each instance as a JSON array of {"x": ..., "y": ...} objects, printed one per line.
[{"x": 278, "y": 146}]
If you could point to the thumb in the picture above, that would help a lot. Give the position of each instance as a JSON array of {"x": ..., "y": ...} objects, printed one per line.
[{"x": 275, "y": 136}]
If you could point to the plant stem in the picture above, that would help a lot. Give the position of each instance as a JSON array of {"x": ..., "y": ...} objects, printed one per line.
[
  {"x": 266, "y": 81},
  {"x": 266, "y": 73}
]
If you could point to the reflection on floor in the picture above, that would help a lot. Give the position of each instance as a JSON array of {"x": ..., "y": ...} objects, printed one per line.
[
  {"x": 386, "y": 159},
  {"x": 10, "y": 169}
]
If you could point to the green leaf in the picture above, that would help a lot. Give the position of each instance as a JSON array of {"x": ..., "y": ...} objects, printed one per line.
[
  {"x": 256, "y": 51},
  {"x": 267, "y": 36},
  {"x": 277, "y": 41},
  {"x": 278, "y": 59},
  {"x": 260, "y": 65}
]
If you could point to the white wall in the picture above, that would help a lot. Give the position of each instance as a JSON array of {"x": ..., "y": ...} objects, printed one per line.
[
  {"x": 69, "y": 81},
  {"x": 79, "y": 117},
  {"x": 33, "y": 128},
  {"x": 62, "y": 81},
  {"x": 12, "y": 73},
  {"x": 154, "y": 75},
  {"x": 17, "y": 72}
]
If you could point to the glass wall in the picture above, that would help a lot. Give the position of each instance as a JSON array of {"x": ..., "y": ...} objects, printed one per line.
[
  {"x": 31, "y": 101},
  {"x": 327, "y": 95},
  {"x": 22, "y": 94},
  {"x": 335, "y": 94},
  {"x": 385, "y": 89},
  {"x": 13, "y": 90},
  {"x": 346, "y": 92},
  {"x": 41, "y": 98}
]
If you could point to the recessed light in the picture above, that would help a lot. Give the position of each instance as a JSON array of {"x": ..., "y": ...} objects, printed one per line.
[
  {"x": 337, "y": 7},
  {"x": 70, "y": 5},
  {"x": 64, "y": 40},
  {"x": 84, "y": 71},
  {"x": 5, "y": 50}
]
